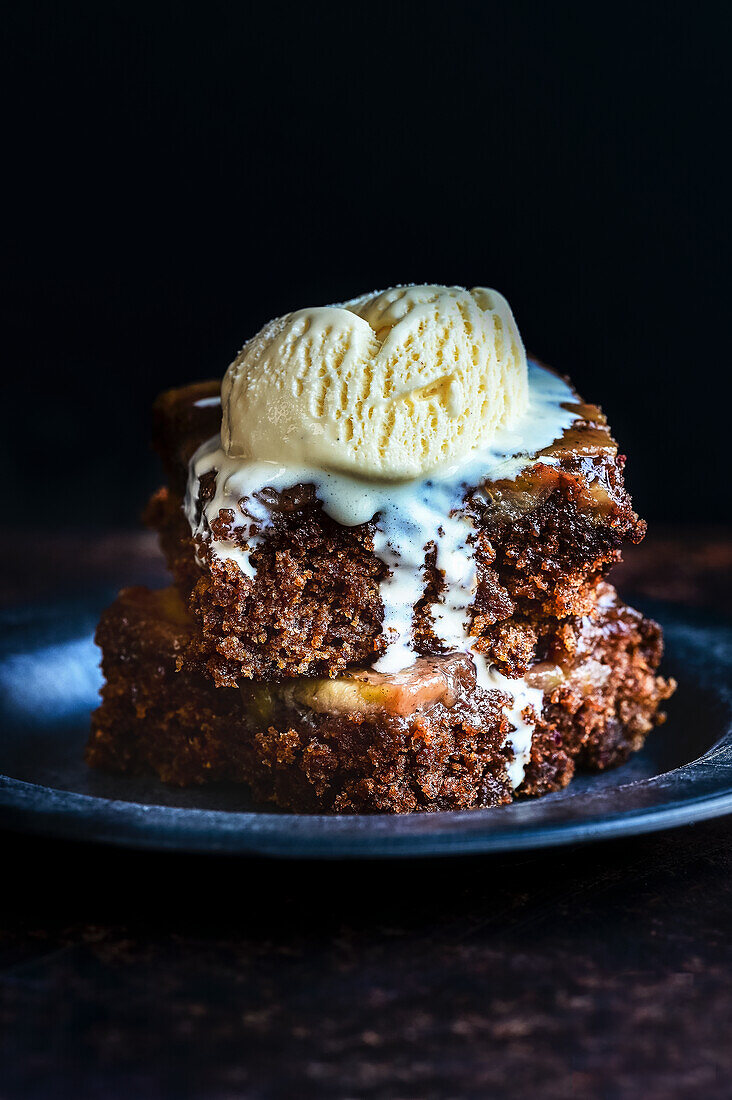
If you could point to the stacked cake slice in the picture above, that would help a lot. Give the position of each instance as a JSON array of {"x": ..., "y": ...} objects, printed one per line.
[{"x": 268, "y": 660}]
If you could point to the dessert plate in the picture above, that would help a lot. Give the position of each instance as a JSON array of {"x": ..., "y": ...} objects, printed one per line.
[{"x": 49, "y": 679}]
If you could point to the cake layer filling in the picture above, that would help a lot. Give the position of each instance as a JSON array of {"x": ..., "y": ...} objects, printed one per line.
[{"x": 431, "y": 681}]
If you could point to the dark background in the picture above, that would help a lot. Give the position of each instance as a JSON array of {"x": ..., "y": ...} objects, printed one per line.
[{"x": 179, "y": 174}]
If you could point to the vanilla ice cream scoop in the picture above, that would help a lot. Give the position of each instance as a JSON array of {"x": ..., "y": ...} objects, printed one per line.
[{"x": 388, "y": 386}]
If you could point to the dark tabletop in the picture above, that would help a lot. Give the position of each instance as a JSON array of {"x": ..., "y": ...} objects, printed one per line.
[{"x": 597, "y": 971}]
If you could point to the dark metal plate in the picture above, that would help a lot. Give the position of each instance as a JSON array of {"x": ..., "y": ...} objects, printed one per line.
[{"x": 49, "y": 679}]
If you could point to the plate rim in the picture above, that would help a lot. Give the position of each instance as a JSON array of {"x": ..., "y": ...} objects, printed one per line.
[{"x": 67, "y": 815}]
